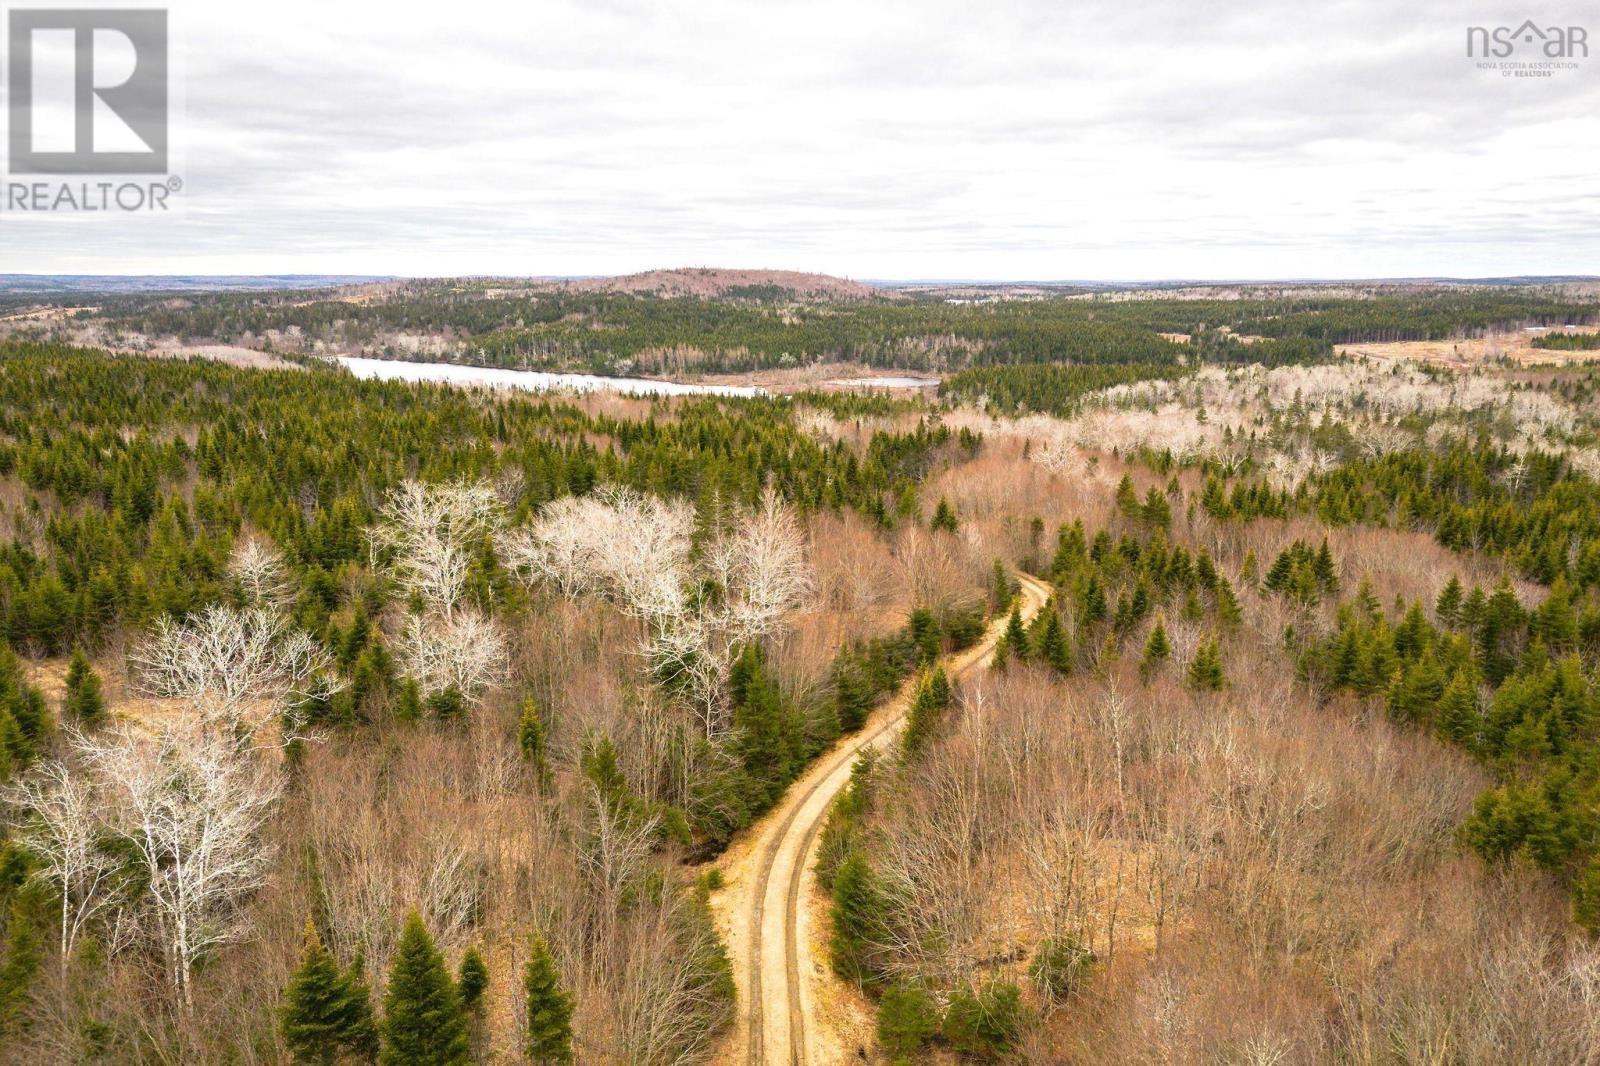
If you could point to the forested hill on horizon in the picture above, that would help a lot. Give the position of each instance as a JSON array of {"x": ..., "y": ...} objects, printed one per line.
[
  {"x": 717, "y": 281},
  {"x": 689, "y": 323}
]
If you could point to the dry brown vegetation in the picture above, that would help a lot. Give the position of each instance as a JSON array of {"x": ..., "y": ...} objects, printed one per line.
[
  {"x": 1515, "y": 348},
  {"x": 450, "y": 820},
  {"x": 1263, "y": 877},
  {"x": 1252, "y": 891}
]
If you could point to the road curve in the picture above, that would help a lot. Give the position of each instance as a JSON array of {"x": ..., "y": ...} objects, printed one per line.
[{"x": 778, "y": 1014}]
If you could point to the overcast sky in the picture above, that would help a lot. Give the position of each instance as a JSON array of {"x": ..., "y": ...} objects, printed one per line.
[{"x": 873, "y": 139}]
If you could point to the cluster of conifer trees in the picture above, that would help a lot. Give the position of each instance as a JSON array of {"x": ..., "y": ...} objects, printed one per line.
[
  {"x": 1506, "y": 683},
  {"x": 1473, "y": 495},
  {"x": 429, "y": 1017},
  {"x": 304, "y": 456},
  {"x": 1568, "y": 342}
]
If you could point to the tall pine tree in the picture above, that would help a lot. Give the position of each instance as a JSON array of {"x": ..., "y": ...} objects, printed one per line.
[
  {"x": 424, "y": 1023},
  {"x": 1054, "y": 648},
  {"x": 1157, "y": 649},
  {"x": 84, "y": 699},
  {"x": 325, "y": 1012},
  {"x": 549, "y": 1039}
]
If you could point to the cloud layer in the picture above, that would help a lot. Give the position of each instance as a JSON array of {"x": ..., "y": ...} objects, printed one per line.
[{"x": 882, "y": 139}]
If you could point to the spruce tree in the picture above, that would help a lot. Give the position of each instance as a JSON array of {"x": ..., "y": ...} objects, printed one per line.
[
  {"x": 1250, "y": 570},
  {"x": 926, "y": 635},
  {"x": 908, "y": 1017},
  {"x": 1326, "y": 570},
  {"x": 927, "y": 711},
  {"x": 312, "y": 1015},
  {"x": 1229, "y": 613},
  {"x": 1205, "y": 672},
  {"x": 1054, "y": 648},
  {"x": 1415, "y": 690},
  {"x": 423, "y": 1020},
  {"x": 1127, "y": 497},
  {"x": 549, "y": 1039},
  {"x": 1457, "y": 716},
  {"x": 852, "y": 693},
  {"x": 84, "y": 699},
  {"x": 408, "y": 706},
  {"x": 1000, "y": 587},
  {"x": 944, "y": 517},
  {"x": 1002, "y": 654},
  {"x": 361, "y": 1029},
  {"x": 1157, "y": 649},
  {"x": 858, "y": 916},
  {"x": 1448, "y": 605},
  {"x": 325, "y": 1012},
  {"x": 1016, "y": 635},
  {"x": 472, "y": 980},
  {"x": 1156, "y": 511}
]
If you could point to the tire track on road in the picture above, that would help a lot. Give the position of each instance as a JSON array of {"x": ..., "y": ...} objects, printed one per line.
[{"x": 778, "y": 1027}]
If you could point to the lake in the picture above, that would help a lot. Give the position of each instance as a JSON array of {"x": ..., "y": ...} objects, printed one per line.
[
  {"x": 887, "y": 382},
  {"x": 531, "y": 380}
]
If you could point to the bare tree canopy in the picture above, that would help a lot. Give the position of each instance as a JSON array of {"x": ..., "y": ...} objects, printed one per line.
[
  {"x": 257, "y": 571},
  {"x": 465, "y": 652},
  {"x": 228, "y": 661},
  {"x": 429, "y": 534},
  {"x": 698, "y": 608}
]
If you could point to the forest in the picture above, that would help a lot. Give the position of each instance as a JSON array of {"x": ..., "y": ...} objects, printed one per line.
[
  {"x": 756, "y": 327},
  {"x": 1196, "y": 693}
]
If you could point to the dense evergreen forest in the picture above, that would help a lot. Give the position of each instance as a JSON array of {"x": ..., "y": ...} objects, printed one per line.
[
  {"x": 304, "y": 456},
  {"x": 1568, "y": 342},
  {"x": 755, "y": 328}
]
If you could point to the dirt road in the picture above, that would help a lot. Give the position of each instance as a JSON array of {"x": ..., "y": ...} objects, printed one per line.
[{"x": 770, "y": 882}]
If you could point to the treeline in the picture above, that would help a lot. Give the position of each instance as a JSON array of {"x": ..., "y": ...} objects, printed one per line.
[
  {"x": 1568, "y": 342},
  {"x": 1053, "y": 388},
  {"x": 1438, "y": 314},
  {"x": 137, "y": 475},
  {"x": 685, "y": 335},
  {"x": 1532, "y": 509},
  {"x": 758, "y": 327}
]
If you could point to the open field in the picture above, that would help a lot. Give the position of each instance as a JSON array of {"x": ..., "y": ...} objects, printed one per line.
[{"x": 1513, "y": 348}]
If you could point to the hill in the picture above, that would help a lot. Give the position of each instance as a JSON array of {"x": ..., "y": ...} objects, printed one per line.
[{"x": 708, "y": 282}]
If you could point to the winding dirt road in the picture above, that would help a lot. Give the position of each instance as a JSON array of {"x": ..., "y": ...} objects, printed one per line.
[{"x": 769, "y": 933}]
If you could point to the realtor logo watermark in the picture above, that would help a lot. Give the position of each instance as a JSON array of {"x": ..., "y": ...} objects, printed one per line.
[
  {"x": 88, "y": 105},
  {"x": 1528, "y": 50}
]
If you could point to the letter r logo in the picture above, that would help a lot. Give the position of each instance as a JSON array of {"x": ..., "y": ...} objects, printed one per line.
[{"x": 87, "y": 91}]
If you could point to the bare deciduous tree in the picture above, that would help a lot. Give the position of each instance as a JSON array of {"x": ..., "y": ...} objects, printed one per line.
[
  {"x": 64, "y": 832},
  {"x": 191, "y": 800},
  {"x": 257, "y": 571},
  {"x": 465, "y": 651},
  {"x": 620, "y": 543},
  {"x": 227, "y": 661},
  {"x": 636, "y": 550},
  {"x": 762, "y": 568},
  {"x": 429, "y": 534}
]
